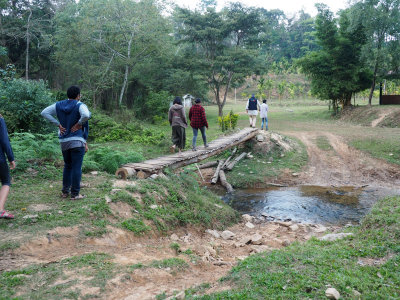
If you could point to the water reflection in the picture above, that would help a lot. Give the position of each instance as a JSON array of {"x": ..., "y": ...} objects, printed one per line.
[{"x": 308, "y": 204}]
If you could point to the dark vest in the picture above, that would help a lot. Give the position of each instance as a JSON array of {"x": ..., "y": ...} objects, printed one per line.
[
  {"x": 252, "y": 103},
  {"x": 68, "y": 115}
]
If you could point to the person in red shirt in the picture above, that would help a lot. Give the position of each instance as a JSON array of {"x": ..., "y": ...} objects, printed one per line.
[{"x": 198, "y": 120}]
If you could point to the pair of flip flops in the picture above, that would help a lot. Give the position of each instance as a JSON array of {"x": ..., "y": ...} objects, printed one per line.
[{"x": 6, "y": 215}]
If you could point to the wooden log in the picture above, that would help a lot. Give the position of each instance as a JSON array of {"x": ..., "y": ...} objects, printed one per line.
[
  {"x": 142, "y": 174},
  {"x": 225, "y": 183},
  {"x": 235, "y": 161},
  {"x": 209, "y": 164},
  {"x": 125, "y": 173},
  {"x": 216, "y": 174},
  {"x": 229, "y": 158}
]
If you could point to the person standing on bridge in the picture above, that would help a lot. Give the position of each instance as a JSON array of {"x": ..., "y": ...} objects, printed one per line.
[
  {"x": 198, "y": 120},
  {"x": 252, "y": 107},
  {"x": 178, "y": 122}
]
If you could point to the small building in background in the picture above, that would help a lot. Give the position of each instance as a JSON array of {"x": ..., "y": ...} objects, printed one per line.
[{"x": 187, "y": 100}]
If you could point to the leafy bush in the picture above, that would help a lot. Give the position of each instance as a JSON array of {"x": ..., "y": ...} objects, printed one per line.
[
  {"x": 21, "y": 102},
  {"x": 30, "y": 149},
  {"x": 157, "y": 105},
  {"x": 228, "y": 122},
  {"x": 105, "y": 129},
  {"x": 108, "y": 159}
]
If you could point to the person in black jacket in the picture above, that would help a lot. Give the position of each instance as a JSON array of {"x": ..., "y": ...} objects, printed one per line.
[{"x": 4, "y": 170}]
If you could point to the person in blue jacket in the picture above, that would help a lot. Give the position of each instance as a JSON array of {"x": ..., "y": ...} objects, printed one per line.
[
  {"x": 5, "y": 147},
  {"x": 72, "y": 116}
]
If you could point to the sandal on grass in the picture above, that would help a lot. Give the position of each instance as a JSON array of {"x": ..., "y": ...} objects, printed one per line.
[
  {"x": 78, "y": 197},
  {"x": 6, "y": 215},
  {"x": 64, "y": 195}
]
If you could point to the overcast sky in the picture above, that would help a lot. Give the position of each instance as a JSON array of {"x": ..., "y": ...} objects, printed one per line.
[{"x": 288, "y": 6}]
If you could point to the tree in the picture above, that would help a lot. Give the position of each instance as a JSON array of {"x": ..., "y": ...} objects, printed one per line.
[
  {"x": 114, "y": 38},
  {"x": 222, "y": 43},
  {"x": 337, "y": 70},
  {"x": 383, "y": 26}
]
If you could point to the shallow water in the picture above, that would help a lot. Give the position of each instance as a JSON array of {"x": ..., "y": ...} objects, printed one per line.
[{"x": 308, "y": 204}]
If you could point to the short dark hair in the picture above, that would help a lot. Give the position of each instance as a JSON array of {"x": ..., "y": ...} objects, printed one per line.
[
  {"x": 264, "y": 101},
  {"x": 178, "y": 100},
  {"x": 73, "y": 92},
  {"x": 198, "y": 100}
]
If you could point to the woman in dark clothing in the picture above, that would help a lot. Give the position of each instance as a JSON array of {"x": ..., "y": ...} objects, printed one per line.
[
  {"x": 177, "y": 119},
  {"x": 198, "y": 120},
  {"x": 5, "y": 150}
]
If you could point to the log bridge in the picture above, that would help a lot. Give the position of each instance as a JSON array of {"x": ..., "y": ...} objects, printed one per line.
[{"x": 154, "y": 166}]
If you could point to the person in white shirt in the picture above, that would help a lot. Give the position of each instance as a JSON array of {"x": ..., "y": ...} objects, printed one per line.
[
  {"x": 252, "y": 107},
  {"x": 264, "y": 114}
]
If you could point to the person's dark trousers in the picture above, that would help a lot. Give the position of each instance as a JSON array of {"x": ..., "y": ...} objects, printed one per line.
[
  {"x": 72, "y": 174},
  {"x": 179, "y": 136},
  {"x": 203, "y": 134}
]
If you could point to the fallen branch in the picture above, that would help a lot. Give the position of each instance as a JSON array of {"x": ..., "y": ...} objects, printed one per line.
[
  {"x": 200, "y": 172},
  {"x": 216, "y": 174},
  {"x": 236, "y": 160},
  {"x": 225, "y": 183},
  {"x": 208, "y": 164},
  {"x": 229, "y": 158}
]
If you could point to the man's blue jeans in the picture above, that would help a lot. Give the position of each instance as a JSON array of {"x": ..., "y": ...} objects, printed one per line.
[
  {"x": 72, "y": 174},
  {"x": 203, "y": 134},
  {"x": 264, "y": 120}
]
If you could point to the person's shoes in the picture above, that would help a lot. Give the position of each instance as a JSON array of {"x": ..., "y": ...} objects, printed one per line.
[
  {"x": 64, "y": 195},
  {"x": 206, "y": 146},
  {"x": 6, "y": 215},
  {"x": 78, "y": 197},
  {"x": 172, "y": 148},
  {"x": 194, "y": 149}
]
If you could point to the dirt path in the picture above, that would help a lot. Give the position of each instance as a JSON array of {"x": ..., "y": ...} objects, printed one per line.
[
  {"x": 343, "y": 165},
  {"x": 211, "y": 256},
  {"x": 382, "y": 116}
]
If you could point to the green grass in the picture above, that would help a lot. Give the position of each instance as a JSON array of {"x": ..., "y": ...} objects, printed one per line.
[
  {"x": 323, "y": 143},
  {"x": 303, "y": 271},
  {"x": 180, "y": 201},
  {"x": 388, "y": 150},
  {"x": 258, "y": 171},
  {"x": 54, "y": 280}
]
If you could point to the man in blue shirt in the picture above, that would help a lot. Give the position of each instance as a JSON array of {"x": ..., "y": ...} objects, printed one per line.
[
  {"x": 72, "y": 116},
  {"x": 5, "y": 178}
]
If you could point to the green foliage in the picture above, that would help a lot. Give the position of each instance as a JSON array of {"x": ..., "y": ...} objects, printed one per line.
[
  {"x": 34, "y": 149},
  {"x": 228, "y": 122},
  {"x": 338, "y": 69},
  {"x": 108, "y": 159},
  {"x": 155, "y": 106},
  {"x": 105, "y": 129},
  {"x": 135, "y": 225},
  {"x": 21, "y": 102}
]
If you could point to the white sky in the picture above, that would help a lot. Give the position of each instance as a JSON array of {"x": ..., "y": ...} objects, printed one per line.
[{"x": 288, "y": 6}]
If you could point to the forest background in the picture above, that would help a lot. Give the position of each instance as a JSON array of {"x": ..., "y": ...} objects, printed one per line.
[{"x": 136, "y": 55}]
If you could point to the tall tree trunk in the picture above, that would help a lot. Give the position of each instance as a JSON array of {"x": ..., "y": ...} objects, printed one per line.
[
  {"x": 371, "y": 92},
  {"x": 121, "y": 95},
  {"x": 230, "y": 74},
  {"x": 27, "y": 46}
]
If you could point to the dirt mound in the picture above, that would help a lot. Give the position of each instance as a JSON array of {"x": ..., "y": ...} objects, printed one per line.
[{"x": 381, "y": 116}]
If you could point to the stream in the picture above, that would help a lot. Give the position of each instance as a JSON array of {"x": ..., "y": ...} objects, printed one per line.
[{"x": 308, "y": 204}]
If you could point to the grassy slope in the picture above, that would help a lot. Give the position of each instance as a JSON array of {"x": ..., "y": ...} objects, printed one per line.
[{"x": 306, "y": 270}]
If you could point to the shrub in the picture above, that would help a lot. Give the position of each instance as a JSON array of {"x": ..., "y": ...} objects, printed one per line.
[
  {"x": 228, "y": 122},
  {"x": 30, "y": 149},
  {"x": 21, "y": 102},
  {"x": 105, "y": 129},
  {"x": 108, "y": 159}
]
